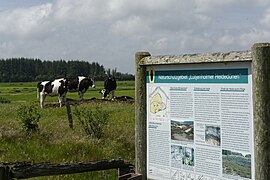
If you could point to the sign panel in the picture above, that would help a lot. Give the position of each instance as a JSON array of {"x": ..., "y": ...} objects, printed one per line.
[{"x": 199, "y": 122}]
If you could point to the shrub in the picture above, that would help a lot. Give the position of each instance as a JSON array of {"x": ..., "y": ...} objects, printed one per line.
[
  {"x": 4, "y": 100},
  {"x": 93, "y": 121},
  {"x": 28, "y": 116}
]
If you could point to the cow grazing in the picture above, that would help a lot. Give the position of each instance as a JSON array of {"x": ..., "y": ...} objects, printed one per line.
[
  {"x": 80, "y": 84},
  {"x": 58, "y": 87},
  {"x": 109, "y": 87}
]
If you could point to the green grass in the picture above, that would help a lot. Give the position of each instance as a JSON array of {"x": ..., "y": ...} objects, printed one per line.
[{"x": 55, "y": 142}]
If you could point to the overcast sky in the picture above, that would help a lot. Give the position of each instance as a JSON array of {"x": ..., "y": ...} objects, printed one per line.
[{"x": 112, "y": 31}]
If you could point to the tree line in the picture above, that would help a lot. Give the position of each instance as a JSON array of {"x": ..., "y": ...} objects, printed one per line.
[{"x": 29, "y": 70}]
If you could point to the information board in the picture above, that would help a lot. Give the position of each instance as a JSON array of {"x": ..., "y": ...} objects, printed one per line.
[{"x": 200, "y": 121}]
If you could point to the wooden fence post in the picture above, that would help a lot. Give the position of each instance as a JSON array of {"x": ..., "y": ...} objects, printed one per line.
[
  {"x": 69, "y": 114},
  {"x": 261, "y": 109},
  {"x": 140, "y": 115}
]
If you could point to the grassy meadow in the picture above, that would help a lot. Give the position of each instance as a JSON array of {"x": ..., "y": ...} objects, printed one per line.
[{"x": 55, "y": 142}]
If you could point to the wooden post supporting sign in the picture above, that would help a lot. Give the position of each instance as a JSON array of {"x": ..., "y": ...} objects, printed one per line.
[
  {"x": 261, "y": 105},
  {"x": 140, "y": 117}
]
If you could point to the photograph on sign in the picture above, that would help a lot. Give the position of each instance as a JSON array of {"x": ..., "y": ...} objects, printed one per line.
[
  {"x": 182, "y": 131},
  {"x": 212, "y": 135}
]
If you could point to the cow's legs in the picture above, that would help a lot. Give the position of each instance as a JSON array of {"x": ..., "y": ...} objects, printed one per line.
[
  {"x": 62, "y": 100},
  {"x": 80, "y": 95},
  {"x": 42, "y": 99},
  {"x": 38, "y": 93},
  {"x": 107, "y": 95},
  {"x": 112, "y": 94}
]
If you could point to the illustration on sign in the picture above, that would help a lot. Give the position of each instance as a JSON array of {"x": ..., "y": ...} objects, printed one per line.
[{"x": 158, "y": 101}]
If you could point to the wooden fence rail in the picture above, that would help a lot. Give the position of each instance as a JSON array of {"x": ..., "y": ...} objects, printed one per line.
[{"x": 25, "y": 170}]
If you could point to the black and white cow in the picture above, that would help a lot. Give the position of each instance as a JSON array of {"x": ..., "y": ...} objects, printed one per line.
[
  {"x": 109, "y": 87},
  {"x": 80, "y": 84},
  {"x": 58, "y": 87}
]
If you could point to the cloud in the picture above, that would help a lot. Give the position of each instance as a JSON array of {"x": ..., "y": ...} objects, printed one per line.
[
  {"x": 255, "y": 35},
  {"x": 265, "y": 21},
  {"x": 112, "y": 31},
  {"x": 226, "y": 40},
  {"x": 25, "y": 22},
  {"x": 259, "y": 32},
  {"x": 83, "y": 11},
  {"x": 161, "y": 43},
  {"x": 133, "y": 7},
  {"x": 204, "y": 6},
  {"x": 213, "y": 6},
  {"x": 261, "y": 2},
  {"x": 133, "y": 26}
]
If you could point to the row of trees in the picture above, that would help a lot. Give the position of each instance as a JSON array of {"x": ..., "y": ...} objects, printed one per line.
[{"x": 28, "y": 70}]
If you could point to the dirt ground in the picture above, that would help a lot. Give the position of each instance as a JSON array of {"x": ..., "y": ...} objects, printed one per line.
[{"x": 125, "y": 99}]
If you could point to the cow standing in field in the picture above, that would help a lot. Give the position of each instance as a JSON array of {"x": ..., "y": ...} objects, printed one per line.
[
  {"x": 109, "y": 87},
  {"x": 80, "y": 84},
  {"x": 58, "y": 87}
]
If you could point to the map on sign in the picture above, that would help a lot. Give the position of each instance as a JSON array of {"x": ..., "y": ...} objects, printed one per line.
[
  {"x": 158, "y": 101},
  {"x": 157, "y": 104}
]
